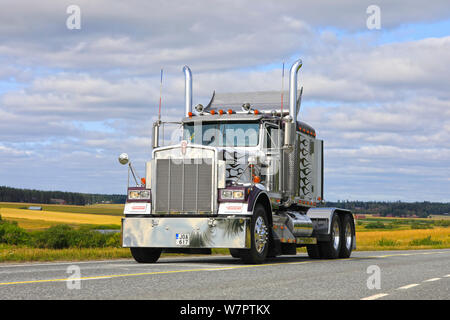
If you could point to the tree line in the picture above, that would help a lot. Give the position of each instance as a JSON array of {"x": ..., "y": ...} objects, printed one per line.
[
  {"x": 383, "y": 208},
  {"x": 395, "y": 209},
  {"x": 8, "y": 194}
]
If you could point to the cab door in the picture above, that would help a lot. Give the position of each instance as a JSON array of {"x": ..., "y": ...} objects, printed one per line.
[{"x": 271, "y": 149}]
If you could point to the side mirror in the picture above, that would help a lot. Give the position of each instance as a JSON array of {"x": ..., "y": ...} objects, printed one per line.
[{"x": 123, "y": 158}]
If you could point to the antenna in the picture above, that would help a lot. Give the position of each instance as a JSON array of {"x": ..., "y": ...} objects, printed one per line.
[
  {"x": 160, "y": 94},
  {"x": 282, "y": 89}
]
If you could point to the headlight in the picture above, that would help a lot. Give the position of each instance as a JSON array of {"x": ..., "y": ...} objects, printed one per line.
[
  {"x": 227, "y": 194},
  {"x": 133, "y": 194},
  {"x": 238, "y": 195},
  {"x": 139, "y": 194},
  {"x": 232, "y": 194},
  {"x": 145, "y": 194}
]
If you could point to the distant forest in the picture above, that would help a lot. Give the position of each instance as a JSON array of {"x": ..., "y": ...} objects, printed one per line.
[
  {"x": 8, "y": 194},
  {"x": 395, "y": 209}
]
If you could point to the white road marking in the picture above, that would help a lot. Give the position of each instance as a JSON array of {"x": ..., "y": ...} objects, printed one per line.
[
  {"x": 447, "y": 276},
  {"x": 432, "y": 279},
  {"x": 375, "y": 296},
  {"x": 408, "y": 286},
  {"x": 403, "y": 254}
]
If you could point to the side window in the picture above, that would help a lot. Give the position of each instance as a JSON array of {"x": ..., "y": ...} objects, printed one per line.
[{"x": 272, "y": 137}]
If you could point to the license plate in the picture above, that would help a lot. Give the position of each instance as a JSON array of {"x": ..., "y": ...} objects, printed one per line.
[{"x": 182, "y": 239}]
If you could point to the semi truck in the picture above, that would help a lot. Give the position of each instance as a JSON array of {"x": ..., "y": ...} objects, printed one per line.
[{"x": 245, "y": 175}]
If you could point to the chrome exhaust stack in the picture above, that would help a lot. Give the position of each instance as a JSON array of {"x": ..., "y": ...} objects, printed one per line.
[
  {"x": 289, "y": 178},
  {"x": 187, "y": 90},
  {"x": 293, "y": 89},
  {"x": 290, "y": 121}
]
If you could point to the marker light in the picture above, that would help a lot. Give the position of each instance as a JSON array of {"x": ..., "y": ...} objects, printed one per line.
[
  {"x": 246, "y": 107},
  {"x": 199, "y": 108}
]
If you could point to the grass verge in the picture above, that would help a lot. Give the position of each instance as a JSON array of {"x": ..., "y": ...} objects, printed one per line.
[
  {"x": 10, "y": 253},
  {"x": 44, "y": 240}
]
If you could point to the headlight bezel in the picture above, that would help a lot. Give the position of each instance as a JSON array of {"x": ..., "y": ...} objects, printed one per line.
[
  {"x": 233, "y": 195},
  {"x": 137, "y": 194}
]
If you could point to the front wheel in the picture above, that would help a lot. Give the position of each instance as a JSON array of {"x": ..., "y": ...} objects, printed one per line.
[
  {"x": 235, "y": 253},
  {"x": 259, "y": 237},
  {"x": 146, "y": 255}
]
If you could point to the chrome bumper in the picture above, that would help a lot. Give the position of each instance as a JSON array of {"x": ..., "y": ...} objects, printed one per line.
[{"x": 202, "y": 232}]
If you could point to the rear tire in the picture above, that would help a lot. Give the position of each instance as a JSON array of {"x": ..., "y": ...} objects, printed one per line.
[
  {"x": 259, "y": 237},
  {"x": 146, "y": 255},
  {"x": 331, "y": 249},
  {"x": 347, "y": 232}
]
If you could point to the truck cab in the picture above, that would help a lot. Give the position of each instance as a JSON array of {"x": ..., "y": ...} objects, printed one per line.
[{"x": 246, "y": 176}]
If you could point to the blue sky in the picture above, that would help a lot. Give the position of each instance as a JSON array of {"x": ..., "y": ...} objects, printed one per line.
[{"x": 72, "y": 100}]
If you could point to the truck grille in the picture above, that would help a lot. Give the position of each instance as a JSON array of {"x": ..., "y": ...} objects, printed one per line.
[{"x": 183, "y": 186}]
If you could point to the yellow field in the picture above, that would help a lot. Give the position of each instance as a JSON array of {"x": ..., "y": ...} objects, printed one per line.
[
  {"x": 42, "y": 219},
  {"x": 440, "y": 217},
  {"x": 369, "y": 240},
  {"x": 107, "y": 209}
]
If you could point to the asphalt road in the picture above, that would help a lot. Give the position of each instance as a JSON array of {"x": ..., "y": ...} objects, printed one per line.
[{"x": 423, "y": 274}]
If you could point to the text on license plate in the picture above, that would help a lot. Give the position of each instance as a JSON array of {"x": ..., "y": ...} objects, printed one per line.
[{"x": 182, "y": 239}]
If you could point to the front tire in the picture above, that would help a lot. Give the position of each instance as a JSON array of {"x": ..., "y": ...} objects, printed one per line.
[
  {"x": 259, "y": 237},
  {"x": 146, "y": 255},
  {"x": 235, "y": 253}
]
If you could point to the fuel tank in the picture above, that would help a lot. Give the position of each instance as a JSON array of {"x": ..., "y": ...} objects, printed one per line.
[{"x": 299, "y": 224}]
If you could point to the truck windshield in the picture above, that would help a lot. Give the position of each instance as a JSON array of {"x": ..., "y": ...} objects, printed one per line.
[{"x": 223, "y": 134}]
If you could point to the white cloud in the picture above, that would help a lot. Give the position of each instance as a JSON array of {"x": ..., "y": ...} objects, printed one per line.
[{"x": 85, "y": 96}]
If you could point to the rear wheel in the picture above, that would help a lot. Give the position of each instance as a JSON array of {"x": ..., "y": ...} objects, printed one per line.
[
  {"x": 146, "y": 255},
  {"x": 259, "y": 238},
  {"x": 331, "y": 249},
  {"x": 346, "y": 236}
]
